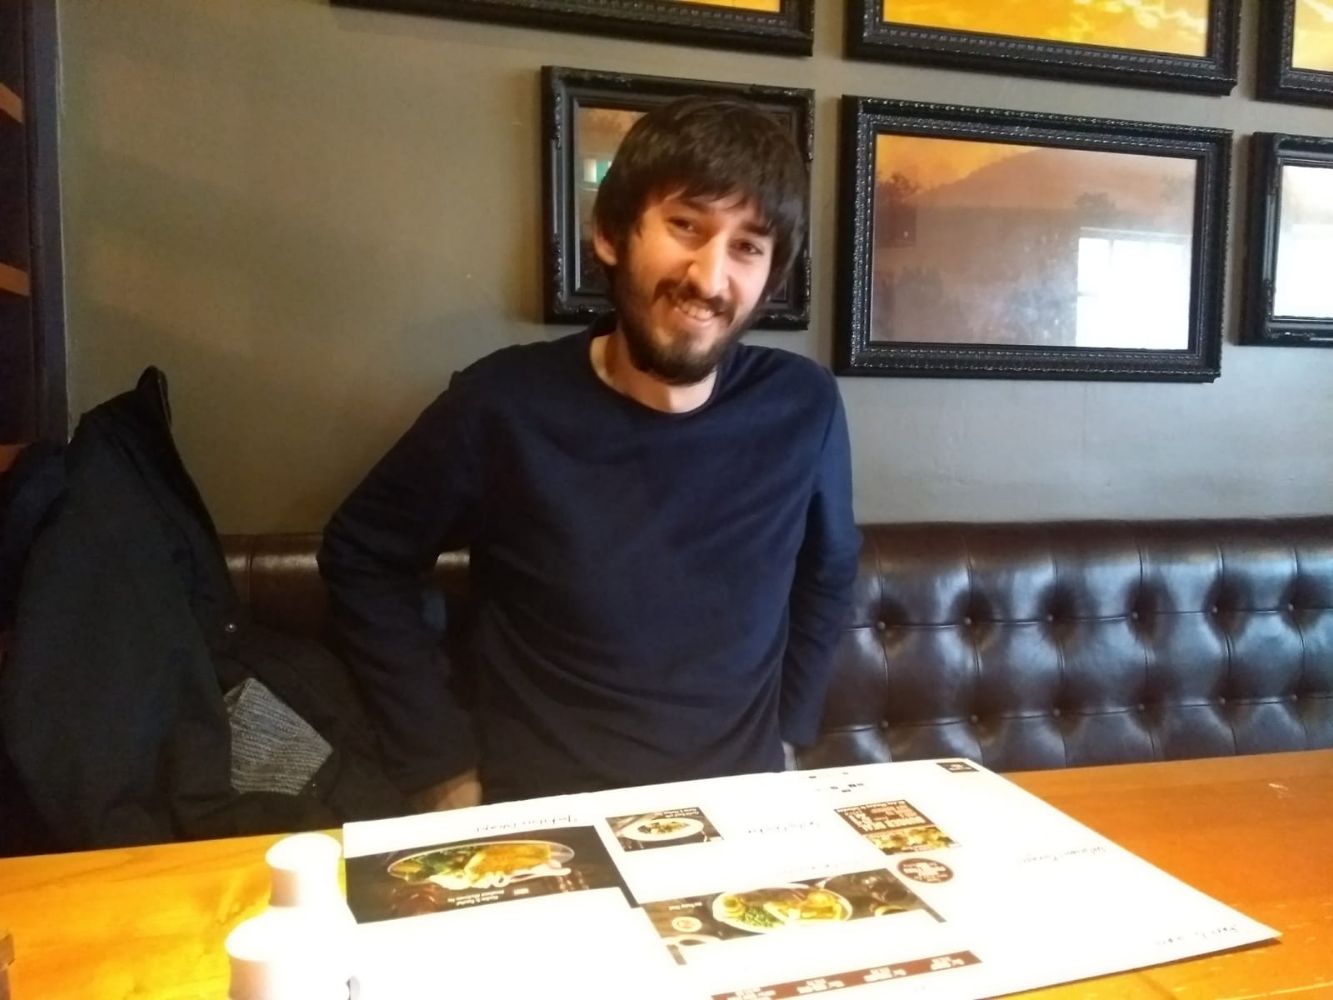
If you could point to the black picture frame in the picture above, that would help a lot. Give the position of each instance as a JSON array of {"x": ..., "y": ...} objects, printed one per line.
[
  {"x": 1270, "y": 153},
  {"x": 871, "y": 36},
  {"x": 1278, "y": 79},
  {"x": 789, "y": 30},
  {"x": 857, "y": 352},
  {"x": 573, "y": 285}
]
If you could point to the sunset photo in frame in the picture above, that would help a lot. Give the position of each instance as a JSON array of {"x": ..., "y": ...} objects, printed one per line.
[
  {"x": 1296, "y": 51},
  {"x": 1171, "y": 44},
  {"x": 585, "y": 114},
  {"x": 1010, "y": 244},
  {"x": 764, "y": 25},
  {"x": 1288, "y": 294}
]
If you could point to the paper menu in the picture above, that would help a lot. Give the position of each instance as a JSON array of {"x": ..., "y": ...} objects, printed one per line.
[{"x": 933, "y": 878}]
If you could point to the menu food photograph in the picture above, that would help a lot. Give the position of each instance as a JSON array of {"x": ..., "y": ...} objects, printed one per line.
[
  {"x": 450, "y": 876},
  {"x": 663, "y": 828}
]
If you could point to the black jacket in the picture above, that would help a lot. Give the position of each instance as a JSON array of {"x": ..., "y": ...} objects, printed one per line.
[{"x": 128, "y": 631}]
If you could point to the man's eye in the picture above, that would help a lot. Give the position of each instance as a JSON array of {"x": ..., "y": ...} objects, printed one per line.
[
  {"x": 684, "y": 225},
  {"x": 750, "y": 249}
]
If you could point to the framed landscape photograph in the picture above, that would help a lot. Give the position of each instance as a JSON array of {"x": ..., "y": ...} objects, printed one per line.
[
  {"x": 585, "y": 115},
  {"x": 765, "y": 25},
  {"x": 1296, "y": 51},
  {"x": 1180, "y": 45},
  {"x": 1010, "y": 244},
  {"x": 1288, "y": 291}
]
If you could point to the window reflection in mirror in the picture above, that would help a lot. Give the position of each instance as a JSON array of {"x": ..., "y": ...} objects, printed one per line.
[
  {"x": 999, "y": 243},
  {"x": 1305, "y": 243}
]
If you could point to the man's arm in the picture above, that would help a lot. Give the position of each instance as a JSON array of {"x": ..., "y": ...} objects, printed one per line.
[
  {"x": 458, "y": 792},
  {"x": 822, "y": 587},
  {"x": 378, "y": 550}
]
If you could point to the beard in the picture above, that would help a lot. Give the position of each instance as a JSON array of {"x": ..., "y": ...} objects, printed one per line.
[{"x": 674, "y": 360}]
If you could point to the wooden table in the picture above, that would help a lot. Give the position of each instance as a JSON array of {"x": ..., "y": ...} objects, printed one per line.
[{"x": 1256, "y": 833}]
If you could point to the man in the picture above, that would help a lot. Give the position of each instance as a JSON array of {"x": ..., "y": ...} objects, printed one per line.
[{"x": 659, "y": 518}]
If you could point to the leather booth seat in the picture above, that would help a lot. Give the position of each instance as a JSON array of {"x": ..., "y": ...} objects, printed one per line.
[{"x": 1027, "y": 645}]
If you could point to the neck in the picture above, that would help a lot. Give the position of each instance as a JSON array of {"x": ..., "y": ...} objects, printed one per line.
[{"x": 611, "y": 361}]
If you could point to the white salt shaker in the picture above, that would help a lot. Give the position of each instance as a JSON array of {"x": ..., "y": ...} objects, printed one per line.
[{"x": 301, "y": 947}]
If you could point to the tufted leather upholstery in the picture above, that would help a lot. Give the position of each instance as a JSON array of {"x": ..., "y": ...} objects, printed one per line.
[{"x": 1031, "y": 645}]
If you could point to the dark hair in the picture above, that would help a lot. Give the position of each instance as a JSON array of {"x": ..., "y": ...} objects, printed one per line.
[{"x": 708, "y": 147}]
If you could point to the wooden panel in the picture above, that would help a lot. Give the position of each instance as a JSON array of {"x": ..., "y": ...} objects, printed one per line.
[
  {"x": 14, "y": 281},
  {"x": 10, "y": 103}
]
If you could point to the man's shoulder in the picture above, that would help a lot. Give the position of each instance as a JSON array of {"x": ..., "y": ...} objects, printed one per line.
[
  {"x": 503, "y": 385},
  {"x": 519, "y": 361},
  {"x": 514, "y": 373},
  {"x": 779, "y": 370}
]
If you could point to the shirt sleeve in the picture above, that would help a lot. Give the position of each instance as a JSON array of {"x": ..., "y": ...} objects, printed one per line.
[
  {"x": 420, "y": 499},
  {"x": 822, "y": 586}
]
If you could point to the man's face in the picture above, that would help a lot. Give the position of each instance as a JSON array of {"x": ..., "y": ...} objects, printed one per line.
[{"x": 687, "y": 282}]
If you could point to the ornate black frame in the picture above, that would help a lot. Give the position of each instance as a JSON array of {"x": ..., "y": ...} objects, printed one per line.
[
  {"x": 789, "y": 31},
  {"x": 563, "y": 91},
  {"x": 870, "y": 36},
  {"x": 856, "y": 353},
  {"x": 1269, "y": 153},
  {"x": 1278, "y": 80}
]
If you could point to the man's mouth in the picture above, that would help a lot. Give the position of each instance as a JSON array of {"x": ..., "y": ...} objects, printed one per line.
[{"x": 696, "y": 310}]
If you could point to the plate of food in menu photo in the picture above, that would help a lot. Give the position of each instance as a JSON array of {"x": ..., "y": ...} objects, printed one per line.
[
  {"x": 777, "y": 907},
  {"x": 662, "y": 828},
  {"x": 912, "y": 838},
  {"x": 485, "y": 865}
]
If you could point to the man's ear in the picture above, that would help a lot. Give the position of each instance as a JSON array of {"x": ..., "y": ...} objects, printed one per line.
[{"x": 604, "y": 248}]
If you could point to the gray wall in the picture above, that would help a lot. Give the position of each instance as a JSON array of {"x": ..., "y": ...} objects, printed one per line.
[{"x": 310, "y": 217}]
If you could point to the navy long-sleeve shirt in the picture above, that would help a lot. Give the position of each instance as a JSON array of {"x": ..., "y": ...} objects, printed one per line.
[{"x": 657, "y": 594}]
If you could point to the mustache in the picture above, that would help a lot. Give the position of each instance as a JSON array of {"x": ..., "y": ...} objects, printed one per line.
[{"x": 689, "y": 292}]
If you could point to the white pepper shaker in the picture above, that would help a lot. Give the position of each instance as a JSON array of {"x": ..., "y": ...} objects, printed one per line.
[{"x": 301, "y": 947}]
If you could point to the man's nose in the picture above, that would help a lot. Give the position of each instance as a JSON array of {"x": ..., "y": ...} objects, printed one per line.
[{"x": 708, "y": 269}]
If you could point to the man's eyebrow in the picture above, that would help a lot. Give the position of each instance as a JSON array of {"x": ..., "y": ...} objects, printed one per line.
[
  {"x": 705, "y": 207},
  {"x": 701, "y": 205}
]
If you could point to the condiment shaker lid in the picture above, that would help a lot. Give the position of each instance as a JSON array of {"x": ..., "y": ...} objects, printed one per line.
[{"x": 304, "y": 871}]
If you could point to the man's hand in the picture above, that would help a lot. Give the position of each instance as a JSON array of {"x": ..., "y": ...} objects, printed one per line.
[{"x": 458, "y": 792}]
